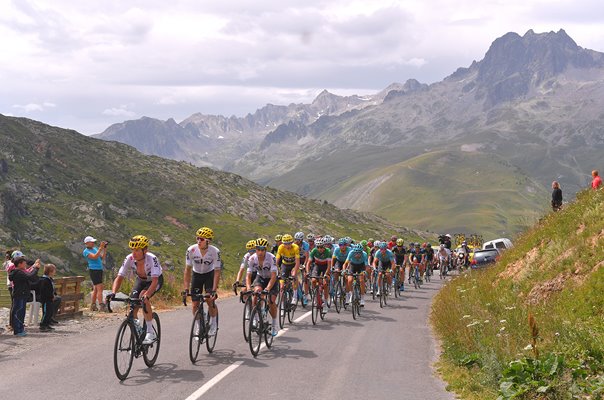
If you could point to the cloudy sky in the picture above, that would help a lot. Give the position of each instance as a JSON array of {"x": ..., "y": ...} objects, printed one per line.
[{"x": 87, "y": 64}]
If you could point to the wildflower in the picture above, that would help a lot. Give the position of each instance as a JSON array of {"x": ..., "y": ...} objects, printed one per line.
[
  {"x": 486, "y": 321},
  {"x": 472, "y": 324},
  {"x": 511, "y": 308},
  {"x": 502, "y": 329},
  {"x": 529, "y": 347},
  {"x": 466, "y": 316},
  {"x": 503, "y": 321}
]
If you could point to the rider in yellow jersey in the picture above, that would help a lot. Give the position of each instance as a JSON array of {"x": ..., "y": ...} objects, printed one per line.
[{"x": 289, "y": 256}]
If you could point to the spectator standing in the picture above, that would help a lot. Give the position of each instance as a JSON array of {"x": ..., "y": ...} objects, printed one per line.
[
  {"x": 596, "y": 182},
  {"x": 95, "y": 256},
  {"x": 556, "y": 196},
  {"x": 9, "y": 285},
  {"x": 22, "y": 279},
  {"x": 49, "y": 299}
]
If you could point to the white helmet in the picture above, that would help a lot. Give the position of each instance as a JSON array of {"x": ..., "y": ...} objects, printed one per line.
[
  {"x": 447, "y": 235},
  {"x": 299, "y": 236}
]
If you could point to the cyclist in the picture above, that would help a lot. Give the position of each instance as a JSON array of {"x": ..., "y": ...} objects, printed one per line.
[
  {"x": 310, "y": 238},
  {"x": 429, "y": 258},
  {"x": 264, "y": 265},
  {"x": 400, "y": 253},
  {"x": 319, "y": 264},
  {"x": 149, "y": 279},
  {"x": 417, "y": 260},
  {"x": 384, "y": 262},
  {"x": 203, "y": 264},
  {"x": 288, "y": 255},
  {"x": 356, "y": 263},
  {"x": 444, "y": 257},
  {"x": 277, "y": 244},
  {"x": 340, "y": 254},
  {"x": 250, "y": 246},
  {"x": 304, "y": 250},
  {"x": 392, "y": 242}
]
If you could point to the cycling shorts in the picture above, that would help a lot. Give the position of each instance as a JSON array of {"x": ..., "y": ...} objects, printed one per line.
[
  {"x": 286, "y": 270},
  {"x": 357, "y": 268},
  {"x": 318, "y": 270},
  {"x": 141, "y": 285},
  {"x": 203, "y": 282},
  {"x": 263, "y": 283}
]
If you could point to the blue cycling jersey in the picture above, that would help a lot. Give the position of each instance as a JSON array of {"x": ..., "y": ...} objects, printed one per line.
[
  {"x": 339, "y": 255},
  {"x": 357, "y": 258}
]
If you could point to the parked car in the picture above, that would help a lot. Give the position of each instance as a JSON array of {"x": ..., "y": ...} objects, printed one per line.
[
  {"x": 483, "y": 258},
  {"x": 500, "y": 244}
]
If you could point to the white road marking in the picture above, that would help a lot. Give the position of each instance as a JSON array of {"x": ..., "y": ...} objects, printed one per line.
[
  {"x": 212, "y": 382},
  {"x": 209, "y": 384}
]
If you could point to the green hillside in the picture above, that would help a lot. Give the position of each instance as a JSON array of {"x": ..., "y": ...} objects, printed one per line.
[
  {"x": 457, "y": 191},
  {"x": 554, "y": 277},
  {"x": 57, "y": 186}
]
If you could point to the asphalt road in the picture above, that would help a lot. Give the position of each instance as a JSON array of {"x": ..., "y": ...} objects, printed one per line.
[{"x": 386, "y": 353}]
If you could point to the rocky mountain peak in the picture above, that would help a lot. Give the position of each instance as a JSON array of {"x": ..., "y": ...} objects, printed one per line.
[{"x": 514, "y": 64}]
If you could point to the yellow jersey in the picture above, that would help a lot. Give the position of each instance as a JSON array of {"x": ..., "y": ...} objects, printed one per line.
[{"x": 288, "y": 256}]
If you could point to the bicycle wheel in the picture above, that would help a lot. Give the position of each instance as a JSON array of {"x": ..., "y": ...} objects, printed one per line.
[
  {"x": 338, "y": 299},
  {"x": 395, "y": 285},
  {"x": 151, "y": 351},
  {"x": 383, "y": 292},
  {"x": 314, "y": 311},
  {"x": 322, "y": 303},
  {"x": 247, "y": 308},
  {"x": 211, "y": 340},
  {"x": 355, "y": 301},
  {"x": 386, "y": 291},
  {"x": 291, "y": 308},
  {"x": 283, "y": 308},
  {"x": 357, "y": 294},
  {"x": 267, "y": 327},
  {"x": 123, "y": 351},
  {"x": 255, "y": 331},
  {"x": 195, "y": 339}
]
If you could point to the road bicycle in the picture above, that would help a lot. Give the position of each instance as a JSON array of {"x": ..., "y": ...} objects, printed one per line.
[
  {"x": 130, "y": 336},
  {"x": 355, "y": 302},
  {"x": 336, "y": 291},
  {"x": 415, "y": 277},
  {"x": 286, "y": 308},
  {"x": 384, "y": 288},
  {"x": 397, "y": 282},
  {"x": 246, "y": 299},
  {"x": 200, "y": 327},
  {"x": 429, "y": 271},
  {"x": 442, "y": 266},
  {"x": 260, "y": 326},
  {"x": 317, "y": 308}
]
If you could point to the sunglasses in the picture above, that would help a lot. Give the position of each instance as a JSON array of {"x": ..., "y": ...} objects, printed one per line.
[
  {"x": 200, "y": 239},
  {"x": 260, "y": 248},
  {"x": 320, "y": 247}
]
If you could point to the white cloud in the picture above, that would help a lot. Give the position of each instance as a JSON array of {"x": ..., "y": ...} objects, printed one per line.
[
  {"x": 30, "y": 107},
  {"x": 121, "y": 111},
  {"x": 165, "y": 58}
]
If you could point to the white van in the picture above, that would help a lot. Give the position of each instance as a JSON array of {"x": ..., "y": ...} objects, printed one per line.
[{"x": 499, "y": 244}]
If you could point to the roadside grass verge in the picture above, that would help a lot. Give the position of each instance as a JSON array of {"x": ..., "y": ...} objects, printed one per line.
[{"x": 553, "y": 276}]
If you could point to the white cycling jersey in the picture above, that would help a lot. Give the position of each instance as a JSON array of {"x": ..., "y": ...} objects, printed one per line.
[
  {"x": 245, "y": 259},
  {"x": 203, "y": 264},
  {"x": 266, "y": 269},
  {"x": 152, "y": 268}
]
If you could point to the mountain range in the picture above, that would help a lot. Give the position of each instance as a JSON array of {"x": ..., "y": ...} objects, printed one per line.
[
  {"x": 528, "y": 113},
  {"x": 58, "y": 186}
]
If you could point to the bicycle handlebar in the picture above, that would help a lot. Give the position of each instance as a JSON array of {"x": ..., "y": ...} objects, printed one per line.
[
  {"x": 196, "y": 295},
  {"x": 128, "y": 300}
]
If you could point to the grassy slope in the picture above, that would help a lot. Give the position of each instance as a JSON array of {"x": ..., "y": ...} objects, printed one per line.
[
  {"x": 554, "y": 273},
  {"x": 61, "y": 185},
  {"x": 450, "y": 190}
]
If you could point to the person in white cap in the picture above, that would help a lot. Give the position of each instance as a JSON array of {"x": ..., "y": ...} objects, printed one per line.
[{"x": 94, "y": 256}]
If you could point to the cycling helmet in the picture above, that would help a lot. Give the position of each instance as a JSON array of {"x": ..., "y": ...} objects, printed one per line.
[
  {"x": 428, "y": 245},
  {"x": 424, "y": 244},
  {"x": 357, "y": 248},
  {"x": 342, "y": 242},
  {"x": 333, "y": 240},
  {"x": 287, "y": 238},
  {"x": 370, "y": 240},
  {"x": 319, "y": 242},
  {"x": 278, "y": 238},
  {"x": 464, "y": 242},
  {"x": 376, "y": 243},
  {"x": 348, "y": 239},
  {"x": 400, "y": 242},
  {"x": 393, "y": 238},
  {"x": 363, "y": 243},
  {"x": 250, "y": 245},
  {"x": 299, "y": 236},
  {"x": 383, "y": 245},
  {"x": 447, "y": 235},
  {"x": 138, "y": 242},
  {"x": 310, "y": 236},
  {"x": 205, "y": 232},
  {"x": 261, "y": 243}
]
